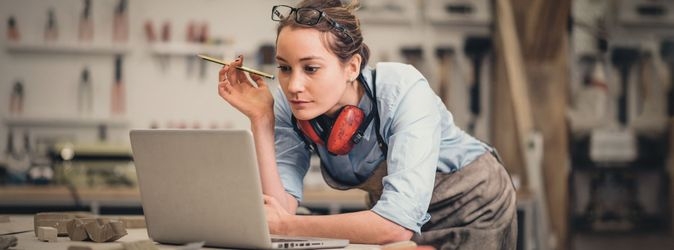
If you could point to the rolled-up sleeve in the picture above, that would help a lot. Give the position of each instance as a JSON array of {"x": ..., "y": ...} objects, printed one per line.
[
  {"x": 292, "y": 159},
  {"x": 414, "y": 145}
]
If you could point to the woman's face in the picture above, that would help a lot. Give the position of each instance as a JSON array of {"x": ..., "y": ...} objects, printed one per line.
[{"x": 313, "y": 78}]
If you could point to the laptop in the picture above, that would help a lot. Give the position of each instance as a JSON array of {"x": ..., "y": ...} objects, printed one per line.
[{"x": 204, "y": 185}]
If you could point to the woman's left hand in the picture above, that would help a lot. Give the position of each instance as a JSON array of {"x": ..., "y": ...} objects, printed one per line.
[{"x": 277, "y": 217}]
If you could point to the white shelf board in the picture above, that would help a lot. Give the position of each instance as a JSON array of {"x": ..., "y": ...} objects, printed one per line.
[
  {"x": 64, "y": 122},
  {"x": 186, "y": 49},
  {"x": 67, "y": 48}
]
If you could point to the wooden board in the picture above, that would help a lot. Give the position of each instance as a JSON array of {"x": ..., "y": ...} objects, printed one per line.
[{"x": 530, "y": 95}]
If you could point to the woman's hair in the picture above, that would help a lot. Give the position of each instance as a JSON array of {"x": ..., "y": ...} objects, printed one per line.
[{"x": 343, "y": 14}]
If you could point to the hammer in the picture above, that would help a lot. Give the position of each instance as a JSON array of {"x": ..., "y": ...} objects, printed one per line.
[
  {"x": 623, "y": 58},
  {"x": 667, "y": 54},
  {"x": 476, "y": 48}
]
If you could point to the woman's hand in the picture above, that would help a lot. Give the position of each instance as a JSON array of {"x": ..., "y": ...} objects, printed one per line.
[
  {"x": 254, "y": 102},
  {"x": 277, "y": 217}
]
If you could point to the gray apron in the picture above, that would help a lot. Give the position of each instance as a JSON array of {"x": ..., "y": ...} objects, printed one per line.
[{"x": 472, "y": 208}]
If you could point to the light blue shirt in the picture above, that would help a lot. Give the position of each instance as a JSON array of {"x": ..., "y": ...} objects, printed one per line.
[{"x": 421, "y": 136}]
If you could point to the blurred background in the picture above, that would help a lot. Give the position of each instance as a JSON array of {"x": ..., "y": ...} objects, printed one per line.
[{"x": 576, "y": 95}]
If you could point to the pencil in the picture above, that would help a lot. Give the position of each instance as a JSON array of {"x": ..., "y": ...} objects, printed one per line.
[{"x": 249, "y": 70}]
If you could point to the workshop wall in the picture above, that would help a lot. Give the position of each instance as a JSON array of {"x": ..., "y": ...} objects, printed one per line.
[{"x": 165, "y": 89}]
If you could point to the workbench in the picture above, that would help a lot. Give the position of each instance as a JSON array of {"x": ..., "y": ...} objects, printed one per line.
[
  {"x": 334, "y": 201},
  {"x": 28, "y": 241}
]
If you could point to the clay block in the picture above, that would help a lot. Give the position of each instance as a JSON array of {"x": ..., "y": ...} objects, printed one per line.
[
  {"x": 139, "y": 245},
  {"x": 98, "y": 230},
  {"x": 76, "y": 230},
  {"x": 101, "y": 231},
  {"x": 4, "y": 218},
  {"x": 57, "y": 220},
  {"x": 46, "y": 234},
  {"x": 8, "y": 241}
]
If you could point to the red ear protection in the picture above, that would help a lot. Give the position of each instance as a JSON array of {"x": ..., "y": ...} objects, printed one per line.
[
  {"x": 309, "y": 131},
  {"x": 341, "y": 135}
]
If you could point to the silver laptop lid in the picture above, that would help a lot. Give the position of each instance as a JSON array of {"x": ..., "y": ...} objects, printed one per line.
[{"x": 200, "y": 185}]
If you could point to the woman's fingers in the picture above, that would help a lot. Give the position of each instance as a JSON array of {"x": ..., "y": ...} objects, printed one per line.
[
  {"x": 233, "y": 75},
  {"x": 224, "y": 90},
  {"x": 235, "y": 87},
  {"x": 240, "y": 75},
  {"x": 222, "y": 74},
  {"x": 224, "y": 84},
  {"x": 258, "y": 79}
]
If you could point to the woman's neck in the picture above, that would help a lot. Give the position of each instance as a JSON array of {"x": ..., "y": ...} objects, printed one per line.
[{"x": 352, "y": 96}]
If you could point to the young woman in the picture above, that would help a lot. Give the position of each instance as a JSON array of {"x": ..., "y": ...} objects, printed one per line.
[{"x": 381, "y": 129}]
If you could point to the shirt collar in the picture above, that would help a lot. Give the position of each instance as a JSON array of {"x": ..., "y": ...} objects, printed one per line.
[{"x": 366, "y": 103}]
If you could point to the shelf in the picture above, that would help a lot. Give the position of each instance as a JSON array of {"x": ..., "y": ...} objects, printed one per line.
[
  {"x": 64, "y": 122},
  {"x": 397, "y": 12},
  {"x": 186, "y": 49},
  {"x": 66, "y": 48},
  {"x": 61, "y": 195},
  {"x": 473, "y": 13}
]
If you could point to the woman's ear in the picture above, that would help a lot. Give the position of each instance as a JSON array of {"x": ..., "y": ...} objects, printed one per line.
[{"x": 353, "y": 67}]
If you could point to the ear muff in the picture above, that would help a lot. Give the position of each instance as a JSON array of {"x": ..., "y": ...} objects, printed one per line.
[
  {"x": 309, "y": 131},
  {"x": 346, "y": 132},
  {"x": 338, "y": 138},
  {"x": 346, "y": 125}
]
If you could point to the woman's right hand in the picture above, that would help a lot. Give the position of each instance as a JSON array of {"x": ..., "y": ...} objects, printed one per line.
[{"x": 254, "y": 102}]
